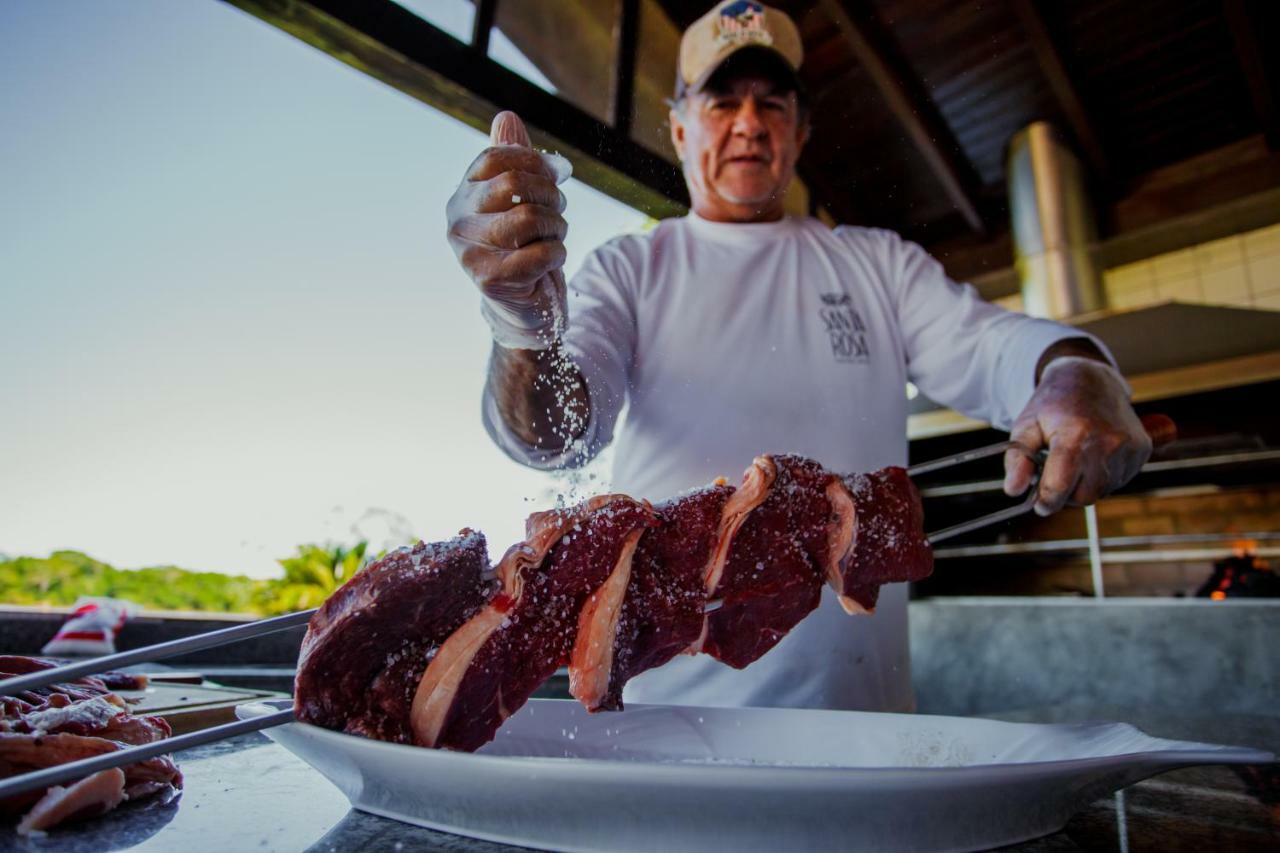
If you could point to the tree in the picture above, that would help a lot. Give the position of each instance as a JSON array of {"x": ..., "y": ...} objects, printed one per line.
[{"x": 311, "y": 576}]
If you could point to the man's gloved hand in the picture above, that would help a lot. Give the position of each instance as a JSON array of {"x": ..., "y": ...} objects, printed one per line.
[
  {"x": 506, "y": 229},
  {"x": 1081, "y": 412}
]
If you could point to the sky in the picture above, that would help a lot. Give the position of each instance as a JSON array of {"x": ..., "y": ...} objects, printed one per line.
[{"x": 229, "y": 319}]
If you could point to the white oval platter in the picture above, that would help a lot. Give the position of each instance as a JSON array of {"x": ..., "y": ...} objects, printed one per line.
[{"x": 669, "y": 778}]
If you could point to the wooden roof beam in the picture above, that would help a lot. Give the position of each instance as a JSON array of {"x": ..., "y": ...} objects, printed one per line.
[
  {"x": 482, "y": 25},
  {"x": 877, "y": 52},
  {"x": 622, "y": 89},
  {"x": 1244, "y": 21},
  {"x": 1055, "y": 71},
  {"x": 393, "y": 45}
]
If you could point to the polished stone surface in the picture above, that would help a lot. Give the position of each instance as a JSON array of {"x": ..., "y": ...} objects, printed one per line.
[{"x": 249, "y": 794}]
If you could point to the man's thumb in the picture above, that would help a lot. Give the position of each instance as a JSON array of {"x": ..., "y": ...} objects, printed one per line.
[{"x": 508, "y": 129}]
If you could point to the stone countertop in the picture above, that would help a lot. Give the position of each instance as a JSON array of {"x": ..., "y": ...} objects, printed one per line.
[{"x": 250, "y": 794}]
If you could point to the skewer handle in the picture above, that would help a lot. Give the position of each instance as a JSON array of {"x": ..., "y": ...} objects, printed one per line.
[
  {"x": 60, "y": 773},
  {"x": 1161, "y": 429},
  {"x": 72, "y": 671}
]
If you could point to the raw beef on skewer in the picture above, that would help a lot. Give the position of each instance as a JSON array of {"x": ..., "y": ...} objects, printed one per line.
[
  {"x": 887, "y": 542},
  {"x": 490, "y": 667},
  {"x": 771, "y": 574},
  {"x": 611, "y": 587},
  {"x": 662, "y": 612},
  {"x": 367, "y": 647}
]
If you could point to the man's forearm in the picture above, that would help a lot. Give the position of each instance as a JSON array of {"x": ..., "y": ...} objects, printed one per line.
[
  {"x": 1082, "y": 347},
  {"x": 541, "y": 396}
]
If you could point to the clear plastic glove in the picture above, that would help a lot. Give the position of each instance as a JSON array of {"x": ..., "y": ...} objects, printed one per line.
[
  {"x": 506, "y": 228},
  {"x": 1080, "y": 411}
]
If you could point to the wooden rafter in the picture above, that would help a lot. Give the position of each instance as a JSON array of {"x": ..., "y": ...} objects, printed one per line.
[
  {"x": 1055, "y": 71},
  {"x": 391, "y": 44},
  {"x": 877, "y": 52},
  {"x": 1243, "y": 20},
  {"x": 482, "y": 25},
  {"x": 622, "y": 88}
]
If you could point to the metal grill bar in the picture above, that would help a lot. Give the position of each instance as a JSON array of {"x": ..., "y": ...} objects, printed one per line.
[{"x": 72, "y": 671}]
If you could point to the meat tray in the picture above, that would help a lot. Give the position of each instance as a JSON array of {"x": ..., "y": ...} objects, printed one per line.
[{"x": 697, "y": 779}]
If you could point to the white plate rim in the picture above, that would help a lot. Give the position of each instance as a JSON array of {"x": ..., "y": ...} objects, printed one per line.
[{"x": 1179, "y": 754}]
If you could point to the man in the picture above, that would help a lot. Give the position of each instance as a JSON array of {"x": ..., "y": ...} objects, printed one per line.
[{"x": 736, "y": 330}]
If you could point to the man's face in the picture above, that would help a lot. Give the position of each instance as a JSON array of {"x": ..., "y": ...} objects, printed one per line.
[{"x": 739, "y": 143}]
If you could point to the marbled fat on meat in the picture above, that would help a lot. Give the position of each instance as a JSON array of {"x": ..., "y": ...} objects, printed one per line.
[
  {"x": 772, "y": 578},
  {"x": 889, "y": 545},
  {"x": 90, "y": 797},
  {"x": 68, "y": 721},
  {"x": 22, "y": 753},
  {"x": 367, "y": 647},
  {"x": 423, "y": 648},
  {"x": 662, "y": 611},
  {"x": 539, "y": 609}
]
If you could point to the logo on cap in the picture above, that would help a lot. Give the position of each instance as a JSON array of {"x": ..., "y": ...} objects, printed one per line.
[{"x": 742, "y": 22}]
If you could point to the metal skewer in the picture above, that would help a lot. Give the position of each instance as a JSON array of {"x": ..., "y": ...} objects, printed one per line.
[
  {"x": 60, "y": 773},
  {"x": 72, "y": 671},
  {"x": 960, "y": 458},
  {"x": 1159, "y": 428},
  {"x": 1005, "y": 514},
  {"x": 982, "y": 521}
]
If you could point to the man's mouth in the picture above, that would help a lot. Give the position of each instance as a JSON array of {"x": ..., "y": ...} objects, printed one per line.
[{"x": 759, "y": 159}]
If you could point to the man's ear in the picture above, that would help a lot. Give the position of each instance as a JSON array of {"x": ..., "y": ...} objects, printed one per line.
[
  {"x": 802, "y": 135},
  {"x": 677, "y": 132}
]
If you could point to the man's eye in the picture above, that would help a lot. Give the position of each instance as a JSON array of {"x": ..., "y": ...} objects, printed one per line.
[
  {"x": 775, "y": 104},
  {"x": 722, "y": 104}
]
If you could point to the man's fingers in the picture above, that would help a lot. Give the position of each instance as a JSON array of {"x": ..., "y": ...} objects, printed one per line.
[
  {"x": 1018, "y": 471},
  {"x": 508, "y": 129},
  {"x": 1062, "y": 472},
  {"x": 512, "y": 188},
  {"x": 512, "y": 229},
  {"x": 514, "y": 275},
  {"x": 1018, "y": 465},
  {"x": 495, "y": 160},
  {"x": 1096, "y": 481}
]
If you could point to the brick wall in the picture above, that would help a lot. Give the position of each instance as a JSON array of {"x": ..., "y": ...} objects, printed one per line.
[{"x": 1197, "y": 509}]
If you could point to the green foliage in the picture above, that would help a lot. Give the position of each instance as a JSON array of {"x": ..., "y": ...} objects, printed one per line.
[{"x": 310, "y": 576}]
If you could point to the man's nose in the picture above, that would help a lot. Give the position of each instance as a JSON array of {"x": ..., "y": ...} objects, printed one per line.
[{"x": 747, "y": 121}]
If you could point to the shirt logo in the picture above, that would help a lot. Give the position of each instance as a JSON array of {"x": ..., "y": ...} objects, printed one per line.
[
  {"x": 847, "y": 332},
  {"x": 742, "y": 23}
]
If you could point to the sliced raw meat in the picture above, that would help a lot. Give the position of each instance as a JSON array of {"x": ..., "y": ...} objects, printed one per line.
[
  {"x": 135, "y": 731},
  {"x": 60, "y": 714},
  {"x": 489, "y": 668},
  {"x": 90, "y": 797},
  {"x": 368, "y": 645},
  {"x": 888, "y": 540},
  {"x": 612, "y": 587},
  {"x": 81, "y": 688},
  {"x": 20, "y": 753},
  {"x": 772, "y": 577},
  {"x": 661, "y": 615},
  {"x": 124, "y": 681},
  {"x": 103, "y": 681},
  {"x": 67, "y": 722}
]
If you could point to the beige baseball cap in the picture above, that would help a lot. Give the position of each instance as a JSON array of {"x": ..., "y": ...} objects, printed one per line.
[{"x": 728, "y": 28}]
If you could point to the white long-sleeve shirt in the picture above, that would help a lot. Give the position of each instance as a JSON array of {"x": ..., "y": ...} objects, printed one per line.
[{"x": 731, "y": 340}]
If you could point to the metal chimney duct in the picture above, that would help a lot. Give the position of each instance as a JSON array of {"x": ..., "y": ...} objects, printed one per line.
[{"x": 1053, "y": 227}]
